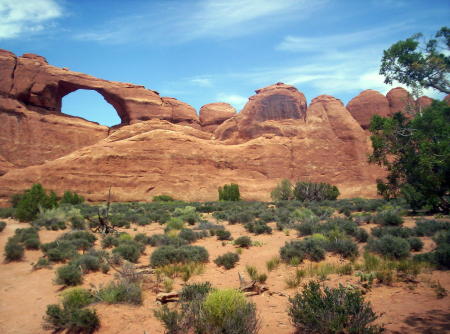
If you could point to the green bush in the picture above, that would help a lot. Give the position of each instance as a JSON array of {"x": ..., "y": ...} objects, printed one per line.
[
  {"x": 87, "y": 263},
  {"x": 223, "y": 234},
  {"x": 71, "y": 198},
  {"x": 163, "y": 198},
  {"x": 228, "y": 311},
  {"x": 109, "y": 241},
  {"x": 283, "y": 191},
  {"x": 229, "y": 192},
  {"x": 2, "y": 226},
  {"x": 427, "y": 228},
  {"x": 258, "y": 228},
  {"x": 59, "y": 250},
  {"x": 416, "y": 244},
  {"x": 302, "y": 249},
  {"x": 332, "y": 310},
  {"x": 195, "y": 291},
  {"x": 121, "y": 291},
  {"x": 227, "y": 260},
  {"x": 69, "y": 275},
  {"x": 76, "y": 298},
  {"x": 7, "y": 212},
  {"x": 165, "y": 240},
  {"x": 77, "y": 223},
  {"x": 345, "y": 247},
  {"x": 361, "y": 235},
  {"x": 390, "y": 246},
  {"x": 190, "y": 236},
  {"x": 14, "y": 251},
  {"x": 129, "y": 250},
  {"x": 396, "y": 231},
  {"x": 310, "y": 191},
  {"x": 31, "y": 200},
  {"x": 243, "y": 241},
  {"x": 169, "y": 254},
  {"x": 187, "y": 214},
  {"x": 32, "y": 243},
  {"x": 388, "y": 217},
  {"x": 74, "y": 320}
]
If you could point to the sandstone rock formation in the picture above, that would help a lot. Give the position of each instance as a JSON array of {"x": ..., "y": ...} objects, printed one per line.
[
  {"x": 367, "y": 104},
  {"x": 423, "y": 102},
  {"x": 214, "y": 114},
  {"x": 41, "y": 87},
  {"x": 399, "y": 100},
  {"x": 163, "y": 147}
]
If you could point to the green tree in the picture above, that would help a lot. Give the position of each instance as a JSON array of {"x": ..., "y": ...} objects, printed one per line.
[
  {"x": 419, "y": 64},
  {"x": 283, "y": 191},
  {"x": 229, "y": 192},
  {"x": 32, "y": 199},
  {"x": 416, "y": 154}
]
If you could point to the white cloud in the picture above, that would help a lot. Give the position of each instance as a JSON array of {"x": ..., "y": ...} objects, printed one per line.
[
  {"x": 22, "y": 17},
  {"x": 201, "y": 81},
  {"x": 190, "y": 20},
  {"x": 237, "y": 101}
]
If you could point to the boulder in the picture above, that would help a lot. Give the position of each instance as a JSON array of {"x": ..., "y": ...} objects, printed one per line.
[
  {"x": 400, "y": 100},
  {"x": 367, "y": 104},
  {"x": 214, "y": 114}
]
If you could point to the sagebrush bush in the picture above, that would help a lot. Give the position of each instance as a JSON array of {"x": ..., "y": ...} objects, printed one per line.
[
  {"x": 87, "y": 263},
  {"x": 223, "y": 234},
  {"x": 195, "y": 291},
  {"x": 76, "y": 298},
  {"x": 227, "y": 260},
  {"x": 416, "y": 244},
  {"x": 129, "y": 250},
  {"x": 163, "y": 198},
  {"x": 69, "y": 275},
  {"x": 345, "y": 247},
  {"x": 243, "y": 242},
  {"x": 388, "y": 217},
  {"x": 165, "y": 240},
  {"x": 361, "y": 235},
  {"x": 258, "y": 228},
  {"x": 71, "y": 198},
  {"x": 121, "y": 291},
  {"x": 332, "y": 310},
  {"x": 169, "y": 254},
  {"x": 428, "y": 228},
  {"x": 14, "y": 251},
  {"x": 228, "y": 311},
  {"x": 302, "y": 249},
  {"x": 74, "y": 320},
  {"x": 390, "y": 246},
  {"x": 396, "y": 231},
  {"x": 2, "y": 226}
]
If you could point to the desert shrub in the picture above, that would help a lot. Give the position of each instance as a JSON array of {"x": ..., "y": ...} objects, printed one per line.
[
  {"x": 195, "y": 291},
  {"x": 71, "y": 198},
  {"x": 243, "y": 241},
  {"x": 169, "y": 254},
  {"x": 74, "y": 320},
  {"x": 227, "y": 260},
  {"x": 31, "y": 200},
  {"x": 345, "y": 225},
  {"x": 310, "y": 191},
  {"x": 81, "y": 240},
  {"x": 129, "y": 250},
  {"x": 229, "y": 192},
  {"x": 331, "y": 310},
  {"x": 163, "y": 198},
  {"x": 273, "y": 263},
  {"x": 190, "y": 235},
  {"x": 255, "y": 275},
  {"x": 430, "y": 227},
  {"x": 390, "y": 246},
  {"x": 302, "y": 249},
  {"x": 345, "y": 247},
  {"x": 416, "y": 244},
  {"x": 223, "y": 234},
  {"x": 7, "y": 212},
  {"x": 42, "y": 262},
  {"x": 388, "y": 217},
  {"x": 109, "y": 241},
  {"x": 442, "y": 256},
  {"x": 396, "y": 231},
  {"x": 14, "y": 251},
  {"x": 121, "y": 291},
  {"x": 187, "y": 214},
  {"x": 361, "y": 235},
  {"x": 2, "y": 226},
  {"x": 258, "y": 228},
  {"x": 77, "y": 223},
  {"x": 283, "y": 191},
  {"x": 228, "y": 311},
  {"x": 74, "y": 298},
  {"x": 307, "y": 228},
  {"x": 165, "y": 240},
  {"x": 86, "y": 262},
  {"x": 69, "y": 275},
  {"x": 59, "y": 250},
  {"x": 174, "y": 223},
  {"x": 141, "y": 238}
]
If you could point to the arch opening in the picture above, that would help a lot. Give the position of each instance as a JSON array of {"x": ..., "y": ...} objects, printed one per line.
[{"x": 90, "y": 105}]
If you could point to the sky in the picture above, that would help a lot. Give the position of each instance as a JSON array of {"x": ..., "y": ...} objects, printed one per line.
[{"x": 203, "y": 51}]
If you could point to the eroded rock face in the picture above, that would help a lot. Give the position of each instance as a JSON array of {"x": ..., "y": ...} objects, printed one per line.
[
  {"x": 277, "y": 102},
  {"x": 163, "y": 147},
  {"x": 367, "y": 104},
  {"x": 214, "y": 114},
  {"x": 400, "y": 100},
  {"x": 41, "y": 87}
]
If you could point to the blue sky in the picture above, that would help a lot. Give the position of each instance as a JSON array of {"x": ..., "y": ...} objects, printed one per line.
[{"x": 202, "y": 51}]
